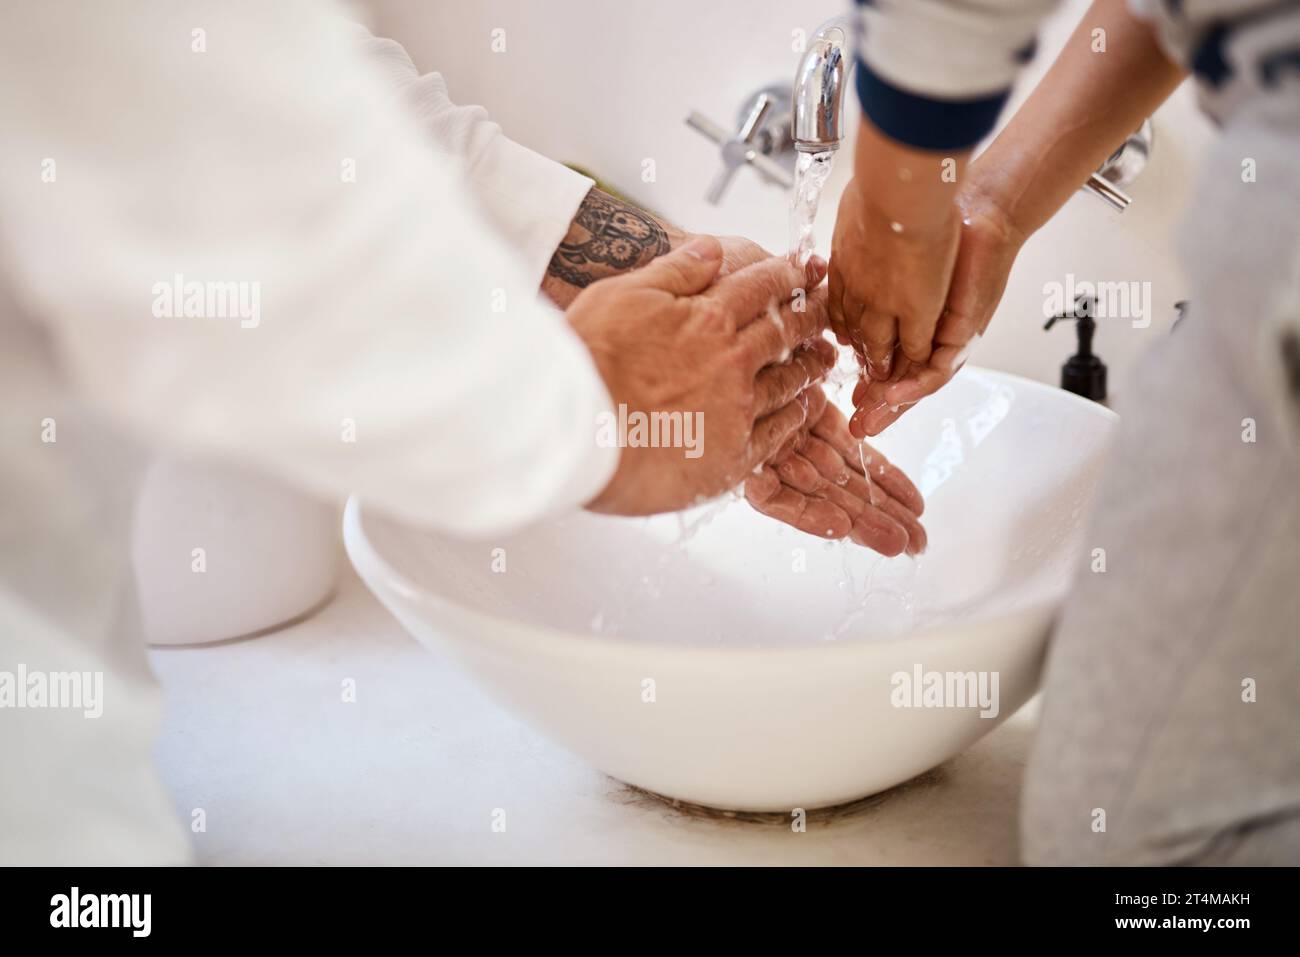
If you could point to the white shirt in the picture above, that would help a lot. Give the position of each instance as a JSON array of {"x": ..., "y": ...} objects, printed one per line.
[
  {"x": 383, "y": 333},
  {"x": 390, "y": 309}
]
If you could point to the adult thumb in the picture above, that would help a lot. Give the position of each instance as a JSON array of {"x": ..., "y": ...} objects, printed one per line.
[{"x": 687, "y": 270}]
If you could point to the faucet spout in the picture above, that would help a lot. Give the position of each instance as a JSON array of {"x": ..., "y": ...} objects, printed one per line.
[{"x": 817, "y": 114}]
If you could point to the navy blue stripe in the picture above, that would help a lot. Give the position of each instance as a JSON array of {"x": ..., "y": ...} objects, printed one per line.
[
  {"x": 1277, "y": 63},
  {"x": 923, "y": 122},
  {"x": 1208, "y": 62}
]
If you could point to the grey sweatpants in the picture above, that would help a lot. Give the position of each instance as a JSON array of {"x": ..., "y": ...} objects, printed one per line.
[{"x": 1171, "y": 712}]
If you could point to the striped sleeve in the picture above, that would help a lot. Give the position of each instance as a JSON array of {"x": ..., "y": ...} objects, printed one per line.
[
  {"x": 935, "y": 74},
  {"x": 1241, "y": 51}
]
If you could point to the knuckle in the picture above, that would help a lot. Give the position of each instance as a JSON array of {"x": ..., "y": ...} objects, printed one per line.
[
  {"x": 736, "y": 361},
  {"x": 811, "y": 368},
  {"x": 768, "y": 429},
  {"x": 877, "y": 333},
  {"x": 714, "y": 315},
  {"x": 708, "y": 309}
]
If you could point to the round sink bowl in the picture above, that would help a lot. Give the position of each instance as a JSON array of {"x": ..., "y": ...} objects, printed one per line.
[{"x": 721, "y": 658}]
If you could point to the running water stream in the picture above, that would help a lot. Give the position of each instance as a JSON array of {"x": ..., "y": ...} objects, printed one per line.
[
  {"x": 810, "y": 174},
  {"x": 878, "y": 592},
  {"x": 888, "y": 595}
]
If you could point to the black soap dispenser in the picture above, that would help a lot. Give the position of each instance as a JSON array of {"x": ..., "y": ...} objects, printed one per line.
[{"x": 1083, "y": 373}]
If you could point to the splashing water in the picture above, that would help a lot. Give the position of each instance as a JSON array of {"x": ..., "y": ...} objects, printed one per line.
[
  {"x": 879, "y": 595},
  {"x": 810, "y": 175},
  {"x": 875, "y": 591}
]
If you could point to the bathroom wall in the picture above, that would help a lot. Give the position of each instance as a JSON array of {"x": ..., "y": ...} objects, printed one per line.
[{"x": 608, "y": 85}]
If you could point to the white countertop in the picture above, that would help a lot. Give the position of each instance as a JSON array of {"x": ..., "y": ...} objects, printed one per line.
[{"x": 258, "y": 736}]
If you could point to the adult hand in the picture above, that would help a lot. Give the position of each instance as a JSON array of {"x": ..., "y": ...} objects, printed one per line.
[
  {"x": 667, "y": 338},
  {"x": 739, "y": 252},
  {"x": 989, "y": 244},
  {"x": 841, "y": 501},
  {"x": 826, "y": 483}
]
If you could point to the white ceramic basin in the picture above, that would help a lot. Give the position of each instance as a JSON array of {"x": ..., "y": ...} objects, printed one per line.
[{"x": 773, "y": 687}]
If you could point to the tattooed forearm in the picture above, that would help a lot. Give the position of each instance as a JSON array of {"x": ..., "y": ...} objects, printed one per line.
[{"x": 607, "y": 237}]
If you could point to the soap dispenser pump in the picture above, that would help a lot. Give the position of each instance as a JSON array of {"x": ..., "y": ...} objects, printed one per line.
[{"x": 1083, "y": 373}]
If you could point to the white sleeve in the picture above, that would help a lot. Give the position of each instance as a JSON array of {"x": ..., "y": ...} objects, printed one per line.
[
  {"x": 529, "y": 198},
  {"x": 347, "y": 317},
  {"x": 950, "y": 49}
]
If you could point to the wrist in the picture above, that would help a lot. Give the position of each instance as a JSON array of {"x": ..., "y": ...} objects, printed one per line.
[
  {"x": 906, "y": 186},
  {"x": 608, "y": 237},
  {"x": 986, "y": 198},
  {"x": 676, "y": 237},
  {"x": 904, "y": 228}
]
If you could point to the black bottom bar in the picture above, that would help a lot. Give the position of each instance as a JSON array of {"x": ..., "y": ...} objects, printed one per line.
[{"x": 337, "y": 906}]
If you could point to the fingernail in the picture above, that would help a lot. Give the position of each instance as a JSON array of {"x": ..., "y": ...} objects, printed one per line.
[
  {"x": 816, "y": 269},
  {"x": 869, "y": 418},
  {"x": 881, "y": 532},
  {"x": 858, "y": 423},
  {"x": 703, "y": 247},
  {"x": 903, "y": 396},
  {"x": 899, "y": 390},
  {"x": 840, "y": 527}
]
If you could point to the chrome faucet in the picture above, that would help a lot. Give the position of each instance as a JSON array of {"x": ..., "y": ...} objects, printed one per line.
[
  {"x": 766, "y": 140},
  {"x": 817, "y": 106},
  {"x": 761, "y": 140},
  {"x": 817, "y": 112},
  {"x": 1122, "y": 167},
  {"x": 767, "y": 137}
]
